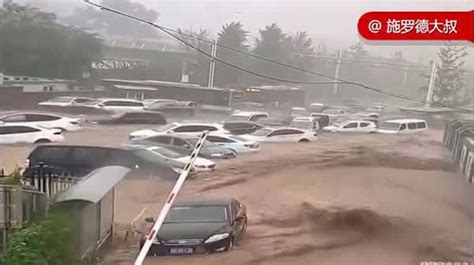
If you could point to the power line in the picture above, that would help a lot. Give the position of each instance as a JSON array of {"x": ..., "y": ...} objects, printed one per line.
[
  {"x": 207, "y": 54},
  {"x": 339, "y": 81}
]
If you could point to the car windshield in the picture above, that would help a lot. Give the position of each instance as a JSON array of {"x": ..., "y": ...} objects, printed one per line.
[
  {"x": 237, "y": 118},
  {"x": 197, "y": 214},
  {"x": 164, "y": 127},
  {"x": 392, "y": 126},
  {"x": 261, "y": 132},
  {"x": 238, "y": 138},
  {"x": 206, "y": 143},
  {"x": 148, "y": 156},
  {"x": 166, "y": 153},
  {"x": 61, "y": 99}
]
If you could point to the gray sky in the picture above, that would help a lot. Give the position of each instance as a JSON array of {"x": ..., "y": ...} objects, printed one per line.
[{"x": 331, "y": 21}]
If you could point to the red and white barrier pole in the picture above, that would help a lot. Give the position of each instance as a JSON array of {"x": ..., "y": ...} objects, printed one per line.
[{"x": 169, "y": 202}]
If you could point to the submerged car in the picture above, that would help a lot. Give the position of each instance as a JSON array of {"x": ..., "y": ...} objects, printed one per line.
[
  {"x": 200, "y": 226},
  {"x": 402, "y": 126},
  {"x": 144, "y": 117},
  {"x": 171, "y": 157},
  {"x": 233, "y": 142},
  {"x": 184, "y": 144},
  {"x": 282, "y": 135},
  {"x": 360, "y": 126}
]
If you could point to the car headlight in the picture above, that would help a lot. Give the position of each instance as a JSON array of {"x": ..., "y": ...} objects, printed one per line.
[
  {"x": 217, "y": 155},
  {"x": 217, "y": 237}
]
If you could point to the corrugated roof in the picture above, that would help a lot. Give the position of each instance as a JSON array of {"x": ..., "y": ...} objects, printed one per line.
[{"x": 94, "y": 186}]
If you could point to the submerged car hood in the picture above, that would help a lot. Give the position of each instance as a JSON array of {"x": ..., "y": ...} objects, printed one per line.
[
  {"x": 214, "y": 150},
  {"x": 170, "y": 231}
]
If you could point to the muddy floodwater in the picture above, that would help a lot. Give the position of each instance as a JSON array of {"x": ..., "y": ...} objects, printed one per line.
[{"x": 346, "y": 199}]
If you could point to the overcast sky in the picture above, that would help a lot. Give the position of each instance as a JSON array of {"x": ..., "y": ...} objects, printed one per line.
[{"x": 334, "y": 21}]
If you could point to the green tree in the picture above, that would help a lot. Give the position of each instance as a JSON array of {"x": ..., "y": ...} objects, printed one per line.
[
  {"x": 450, "y": 78},
  {"x": 300, "y": 45},
  {"x": 235, "y": 36},
  {"x": 36, "y": 45},
  {"x": 114, "y": 25},
  {"x": 272, "y": 44}
]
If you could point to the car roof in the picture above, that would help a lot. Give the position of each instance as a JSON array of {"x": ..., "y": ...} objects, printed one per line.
[
  {"x": 196, "y": 123},
  {"x": 404, "y": 120},
  {"x": 29, "y": 113},
  {"x": 248, "y": 113},
  {"x": 203, "y": 202}
]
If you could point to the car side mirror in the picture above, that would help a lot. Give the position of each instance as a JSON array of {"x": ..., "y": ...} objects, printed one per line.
[{"x": 150, "y": 220}]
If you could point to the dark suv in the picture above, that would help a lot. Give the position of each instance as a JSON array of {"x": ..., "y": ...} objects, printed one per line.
[{"x": 79, "y": 160}]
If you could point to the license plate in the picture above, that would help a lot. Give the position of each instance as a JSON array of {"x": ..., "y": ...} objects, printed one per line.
[{"x": 181, "y": 251}]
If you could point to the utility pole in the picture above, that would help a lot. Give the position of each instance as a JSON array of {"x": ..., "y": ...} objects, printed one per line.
[
  {"x": 212, "y": 65},
  {"x": 337, "y": 72},
  {"x": 429, "y": 95}
]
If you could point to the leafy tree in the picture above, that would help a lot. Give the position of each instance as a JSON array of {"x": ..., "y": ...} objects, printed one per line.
[
  {"x": 114, "y": 25},
  {"x": 299, "y": 46},
  {"x": 450, "y": 79},
  {"x": 235, "y": 36},
  {"x": 272, "y": 44},
  {"x": 47, "y": 242},
  {"x": 38, "y": 46},
  {"x": 358, "y": 50}
]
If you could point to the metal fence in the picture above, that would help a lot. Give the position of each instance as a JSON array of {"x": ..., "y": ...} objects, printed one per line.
[{"x": 48, "y": 180}]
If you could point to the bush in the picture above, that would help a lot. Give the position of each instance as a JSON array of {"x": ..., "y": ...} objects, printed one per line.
[{"x": 47, "y": 242}]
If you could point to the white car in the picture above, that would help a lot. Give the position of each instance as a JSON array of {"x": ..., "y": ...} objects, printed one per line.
[
  {"x": 49, "y": 121},
  {"x": 298, "y": 111},
  {"x": 28, "y": 134},
  {"x": 66, "y": 101},
  {"x": 372, "y": 115},
  {"x": 246, "y": 116},
  {"x": 403, "y": 126},
  {"x": 234, "y": 143},
  {"x": 200, "y": 164},
  {"x": 179, "y": 128},
  {"x": 116, "y": 104},
  {"x": 282, "y": 134},
  {"x": 151, "y": 101},
  {"x": 306, "y": 123},
  {"x": 352, "y": 126}
]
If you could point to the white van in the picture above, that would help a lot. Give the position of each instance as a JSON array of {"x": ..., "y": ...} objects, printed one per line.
[{"x": 402, "y": 126}]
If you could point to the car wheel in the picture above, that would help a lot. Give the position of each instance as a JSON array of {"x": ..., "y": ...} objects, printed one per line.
[
  {"x": 42, "y": 141},
  {"x": 303, "y": 141}
]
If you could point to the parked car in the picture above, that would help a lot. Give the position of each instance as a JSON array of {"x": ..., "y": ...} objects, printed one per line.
[
  {"x": 49, "y": 121},
  {"x": 176, "y": 108},
  {"x": 361, "y": 126},
  {"x": 200, "y": 226},
  {"x": 116, "y": 104},
  {"x": 169, "y": 156},
  {"x": 156, "y": 101},
  {"x": 278, "y": 122},
  {"x": 317, "y": 107},
  {"x": 305, "y": 123},
  {"x": 143, "y": 117},
  {"x": 79, "y": 160},
  {"x": 330, "y": 117},
  {"x": 246, "y": 116},
  {"x": 282, "y": 134},
  {"x": 372, "y": 115},
  {"x": 28, "y": 134},
  {"x": 180, "y": 128},
  {"x": 298, "y": 111},
  {"x": 321, "y": 118},
  {"x": 66, "y": 101},
  {"x": 244, "y": 127},
  {"x": 184, "y": 144},
  {"x": 402, "y": 126},
  {"x": 377, "y": 108},
  {"x": 233, "y": 142}
]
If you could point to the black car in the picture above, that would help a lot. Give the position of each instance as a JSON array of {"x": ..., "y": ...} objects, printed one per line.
[
  {"x": 200, "y": 226},
  {"x": 184, "y": 144},
  {"x": 146, "y": 117},
  {"x": 242, "y": 127},
  {"x": 79, "y": 160}
]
